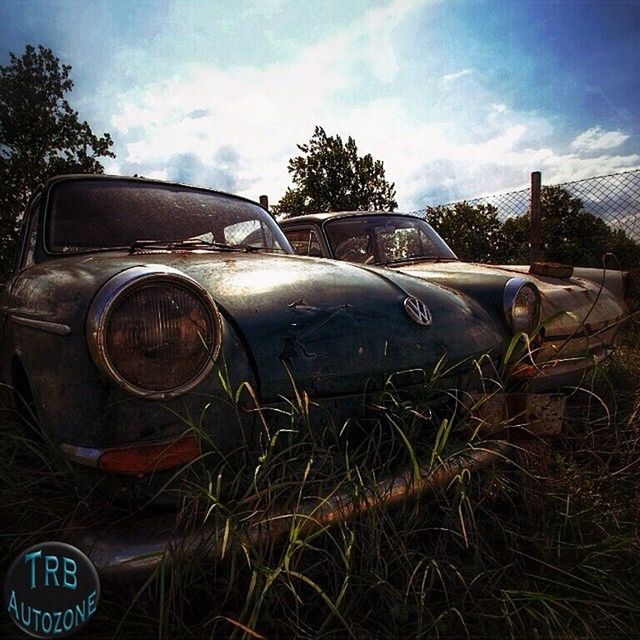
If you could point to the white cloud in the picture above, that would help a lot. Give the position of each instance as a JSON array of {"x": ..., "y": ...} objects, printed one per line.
[
  {"x": 569, "y": 167},
  {"x": 597, "y": 139},
  {"x": 458, "y": 74},
  {"x": 235, "y": 128},
  {"x": 261, "y": 113},
  {"x": 378, "y": 28}
]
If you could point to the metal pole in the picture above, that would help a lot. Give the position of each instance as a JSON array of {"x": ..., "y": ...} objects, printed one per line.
[{"x": 535, "y": 247}]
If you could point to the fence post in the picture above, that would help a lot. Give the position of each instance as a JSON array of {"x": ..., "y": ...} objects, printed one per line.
[
  {"x": 535, "y": 249},
  {"x": 264, "y": 202}
]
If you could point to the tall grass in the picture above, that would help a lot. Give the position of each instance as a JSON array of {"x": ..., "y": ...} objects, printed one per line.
[{"x": 544, "y": 545}]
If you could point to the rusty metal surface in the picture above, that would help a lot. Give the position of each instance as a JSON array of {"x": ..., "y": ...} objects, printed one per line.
[
  {"x": 334, "y": 337},
  {"x": 570, "y": 303},
  {"x": 581, "y": 308},
  {"x": 138, "y": 547},
  {"x": 551, "y": 269},
  {"x": 331, "y": 328},
  {"x": 540, "y": 414}
]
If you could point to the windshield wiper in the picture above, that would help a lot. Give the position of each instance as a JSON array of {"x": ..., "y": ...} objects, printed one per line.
[
  {"x": 418, "y": 259},
  {"x": 189, "y": 243},
  {"x": 250, "y": 248},
  {"x": 195, "y": 243}
]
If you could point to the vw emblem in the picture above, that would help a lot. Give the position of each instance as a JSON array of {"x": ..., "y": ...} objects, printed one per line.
[{"x": 418, "y": 311}]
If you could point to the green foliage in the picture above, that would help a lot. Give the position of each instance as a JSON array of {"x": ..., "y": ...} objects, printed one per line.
[
  {"x": 543, "y": 545},
  {"x": 625, "y": 250},
  {"x": 569, "y": 234},
  {"x": 470, "y": 230},
  {"x": 331, "y": 176},
  {"x": 515, "y": 232},
  {"x": 40, "y": 136}
]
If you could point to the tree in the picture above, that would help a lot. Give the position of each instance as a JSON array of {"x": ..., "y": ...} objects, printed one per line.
[
  {"x": 569, "y": 234},
  {"x": 40, "y": 136},
  {"x": 472, "y": 231},
  {"x": 516, "y": 233},
  {"x": 331, "y": 176}
]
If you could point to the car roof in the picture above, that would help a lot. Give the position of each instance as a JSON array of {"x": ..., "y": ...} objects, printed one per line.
[
  {"x": 102, "y": 176},
  {"x": 318, "y": 218}
]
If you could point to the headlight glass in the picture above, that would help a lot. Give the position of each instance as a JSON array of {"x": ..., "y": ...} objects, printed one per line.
[
  {"x": 154, "y": 331},
  {"x": 159, "y": 337},
  {"x": 522, "y": 305}
]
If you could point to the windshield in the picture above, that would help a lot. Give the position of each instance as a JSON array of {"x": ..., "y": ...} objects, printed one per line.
[
  {"x": 83, "y": 215},
  {"x": 384, "y": 239}
]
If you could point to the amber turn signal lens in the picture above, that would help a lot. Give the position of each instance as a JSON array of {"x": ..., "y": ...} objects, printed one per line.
[{"x": 147, "y": 458}]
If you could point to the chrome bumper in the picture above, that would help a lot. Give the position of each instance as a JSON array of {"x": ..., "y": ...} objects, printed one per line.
[
  {"x": 555, "y": 373},
  {"x": 138, "y": 547}
]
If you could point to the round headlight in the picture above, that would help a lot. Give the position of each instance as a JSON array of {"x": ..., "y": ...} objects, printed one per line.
[
  {"x": 154, "y": 331},
  {"x": 522, "y": 305}
]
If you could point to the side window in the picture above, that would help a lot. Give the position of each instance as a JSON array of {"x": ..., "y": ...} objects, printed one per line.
[{"x": 304, "y": 242}]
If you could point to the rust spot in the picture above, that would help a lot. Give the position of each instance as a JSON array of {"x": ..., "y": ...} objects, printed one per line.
[{"x": 551, "y": 269}]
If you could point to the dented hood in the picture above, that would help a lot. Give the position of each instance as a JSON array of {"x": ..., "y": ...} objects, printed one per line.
[
  {"x": 590, "y": 300},
  {"x": 331, "y": 327},
  {"x": 336, "y": 328}
]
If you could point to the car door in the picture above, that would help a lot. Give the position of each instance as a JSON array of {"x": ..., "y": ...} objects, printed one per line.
[{"x": 24, "y": 258}]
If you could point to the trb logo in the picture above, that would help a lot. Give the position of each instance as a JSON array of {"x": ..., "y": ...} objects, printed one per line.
[{"x": 51, "y": 590}]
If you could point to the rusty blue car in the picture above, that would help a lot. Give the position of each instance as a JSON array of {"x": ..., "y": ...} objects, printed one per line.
[{"x": 138, "y": 307}]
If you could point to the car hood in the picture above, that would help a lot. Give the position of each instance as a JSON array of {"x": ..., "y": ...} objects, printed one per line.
[
  {"x": 570, "y": 304},
  {"x": 330, "y": 327}
]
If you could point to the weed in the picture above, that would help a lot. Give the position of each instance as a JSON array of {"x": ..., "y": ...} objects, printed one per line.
[{"x": 544, "y": 544}]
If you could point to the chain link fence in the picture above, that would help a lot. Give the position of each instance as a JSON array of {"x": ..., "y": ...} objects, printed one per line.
[
  {"x": 507, "y": 205},
  {"x": 601, "y": 214},
  {"x": 614, "y": 198}
]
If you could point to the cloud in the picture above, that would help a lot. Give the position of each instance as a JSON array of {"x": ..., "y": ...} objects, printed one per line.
[
  {"x": 263, "y": 112},
  {"x": 377, "y": 30},
  {"x": 235, "y": 128},
  {"x": 458, "y": 74},
  {"x": 187, "y": 167},
  {"x": 197, "y": 113},
  {"x": 597, "y": 139}
]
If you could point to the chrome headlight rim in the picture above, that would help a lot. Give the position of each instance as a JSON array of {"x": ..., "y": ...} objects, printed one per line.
[
  {"x": 510, "y": 295},
  {"x": 114, "y": 291}
]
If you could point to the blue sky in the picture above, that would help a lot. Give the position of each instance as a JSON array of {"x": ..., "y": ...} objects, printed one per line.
[{"x": 459, "y": 98}]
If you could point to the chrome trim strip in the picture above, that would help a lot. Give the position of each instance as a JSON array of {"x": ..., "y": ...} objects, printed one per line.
[
  {"x": 87, "y": 456},
  {"x": 589, "y": 330},
  {"x": 42, "y": 325}
]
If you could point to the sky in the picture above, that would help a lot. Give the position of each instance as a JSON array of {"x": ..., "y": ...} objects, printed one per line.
[{"x": 458, "y": 98}]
